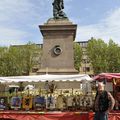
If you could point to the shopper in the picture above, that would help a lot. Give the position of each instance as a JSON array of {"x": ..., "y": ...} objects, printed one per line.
[{"x": 104, "y": 102}]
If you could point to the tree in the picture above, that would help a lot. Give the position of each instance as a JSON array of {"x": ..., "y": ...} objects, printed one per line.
[
  {"x": 31, "y": 57},
  {"x": 17, "y": 60},
  {"x": 77, "y": 56},
  {"x": 3, "y": 51},
  {"x": 113, "y": 57},
  {"x": 97, "y": 53}
]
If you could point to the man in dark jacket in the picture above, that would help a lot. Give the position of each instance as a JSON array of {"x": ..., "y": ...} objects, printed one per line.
[{"x": 104, "y": 102}]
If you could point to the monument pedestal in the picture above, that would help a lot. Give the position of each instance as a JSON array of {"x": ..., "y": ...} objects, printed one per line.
[{"x": 58, "y": 54}]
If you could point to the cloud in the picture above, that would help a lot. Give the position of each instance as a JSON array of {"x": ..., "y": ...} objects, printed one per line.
[
  {"x": 108, "y": 28},
  {"x": 17, "y": 20},
  {"x": 14, "y": 8},
  {"x": 11, "y": 36},
  {"x": 20, "y": 11}
]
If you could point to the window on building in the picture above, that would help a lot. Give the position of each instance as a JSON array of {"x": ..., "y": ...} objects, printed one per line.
[
  {"x": 84, "y": 52},
  {"x": 85, "y": 61},
  {"x": 86, "y": 69},
  {"x": 84, "y": 44}
]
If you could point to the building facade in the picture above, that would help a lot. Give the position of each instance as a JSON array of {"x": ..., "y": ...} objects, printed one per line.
[{"x": 86, "y": 67}]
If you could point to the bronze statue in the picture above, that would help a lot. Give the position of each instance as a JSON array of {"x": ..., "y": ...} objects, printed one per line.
[{"x": 58, "y": 6}]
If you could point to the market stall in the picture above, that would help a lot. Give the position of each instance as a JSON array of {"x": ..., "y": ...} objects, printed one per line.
[
  {"x": 112, "y": 81},
  {"x": 46, "y": 97},
  {"x": 27, "y": 104},
  {"x": 47, "y": 92}
]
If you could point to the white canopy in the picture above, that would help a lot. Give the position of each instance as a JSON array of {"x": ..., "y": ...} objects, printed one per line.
[{"x": 49, "y": 77}]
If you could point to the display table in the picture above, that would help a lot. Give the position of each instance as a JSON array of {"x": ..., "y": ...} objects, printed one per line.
[
  {"x": 43, "y": 115},
  {"x": 20, "y": 115},
  {"x": 114, "y": 115}
]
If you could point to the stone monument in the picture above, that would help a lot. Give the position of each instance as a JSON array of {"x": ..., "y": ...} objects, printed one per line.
[{"x": 58, "y": 37}]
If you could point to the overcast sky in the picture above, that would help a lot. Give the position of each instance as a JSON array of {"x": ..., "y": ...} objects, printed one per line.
[{"x": 19, "y": 19}]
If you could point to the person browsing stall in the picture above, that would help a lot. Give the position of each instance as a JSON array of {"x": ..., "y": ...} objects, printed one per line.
[{"x": 104, "y": 102}]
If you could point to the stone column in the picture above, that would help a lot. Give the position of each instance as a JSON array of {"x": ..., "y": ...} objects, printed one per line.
[{"x": 58, "y": 54}]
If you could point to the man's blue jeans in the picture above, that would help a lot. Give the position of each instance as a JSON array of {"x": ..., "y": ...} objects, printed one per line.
[{"x": 101, "y": 116}]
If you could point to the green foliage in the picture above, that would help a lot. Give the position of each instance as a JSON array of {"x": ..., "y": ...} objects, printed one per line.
[
  {"x": 31, "y": 57},
  {"x": 104, "y": 57},
  {"x": 113, "y": 57},
  {"x": 97, "y": 52},
  {"x": 17, "y": 60},
  {"x": 77, "y": 56}
]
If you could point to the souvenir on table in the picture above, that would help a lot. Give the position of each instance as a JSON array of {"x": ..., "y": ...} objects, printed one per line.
[
  {"x": 16, "y": 102},
  {"x": 39, "y": 102},
  {"x": 50, "y": 102},
  {"x": 27, "y": 102},
  {"x": 69, "y": 102},
  {"x": 82, "y": 101},
  {"x": 60, "y": 102},
  {"x": 75, "y": 102},
  {"x": 52, "y": 87},
  {"x": 3, "y": 103},
  {"x": 78, "y": 101},
  {"x": 88, "y": 103},
  {"x": 46, "y": 87}
]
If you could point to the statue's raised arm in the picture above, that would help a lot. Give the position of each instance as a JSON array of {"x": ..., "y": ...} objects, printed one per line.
[{"x": 58, "y": 6}]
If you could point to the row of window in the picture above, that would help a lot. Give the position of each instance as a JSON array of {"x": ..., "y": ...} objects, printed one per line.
[
  {"x": 86, "y": 69},
  {"x": 84, "y": 61},
  {"x": 83, "y": 44}
]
